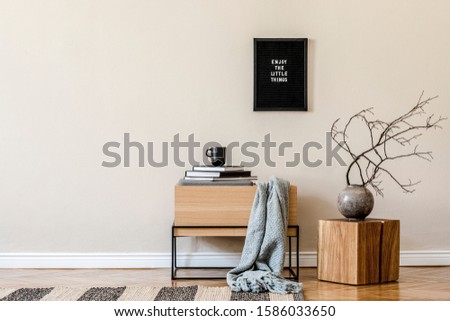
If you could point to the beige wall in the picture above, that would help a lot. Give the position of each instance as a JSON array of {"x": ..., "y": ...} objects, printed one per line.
[{"x": 77, "y": 74}]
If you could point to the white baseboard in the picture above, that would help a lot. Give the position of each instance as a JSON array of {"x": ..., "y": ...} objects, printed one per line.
[
  {"x": 163, "y": 260},
  {"x": 424, "y": 258}
]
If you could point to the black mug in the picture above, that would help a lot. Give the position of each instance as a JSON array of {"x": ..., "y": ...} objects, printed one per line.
[{"x": 217, "y": 155}]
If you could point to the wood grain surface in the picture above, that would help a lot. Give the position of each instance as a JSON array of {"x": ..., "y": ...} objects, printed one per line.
[
  {"x": 220, "y": 205},
  {"x": 358, "y": 252}
]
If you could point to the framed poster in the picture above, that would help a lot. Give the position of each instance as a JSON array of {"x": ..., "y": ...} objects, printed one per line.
[{"x": 280, "y": 74}]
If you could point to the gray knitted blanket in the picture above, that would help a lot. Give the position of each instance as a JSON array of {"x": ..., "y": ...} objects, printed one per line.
[{"x": 262, "y": 259}]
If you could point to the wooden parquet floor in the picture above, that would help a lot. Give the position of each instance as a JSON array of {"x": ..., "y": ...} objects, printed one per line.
[{"x": 415, "y": 283}]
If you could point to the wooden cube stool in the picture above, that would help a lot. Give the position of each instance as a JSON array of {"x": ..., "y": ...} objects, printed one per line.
[{"x": 358, "y": 252}]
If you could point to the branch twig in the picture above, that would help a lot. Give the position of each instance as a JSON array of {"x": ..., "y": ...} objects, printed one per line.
[{"x": 403, "y": 130}]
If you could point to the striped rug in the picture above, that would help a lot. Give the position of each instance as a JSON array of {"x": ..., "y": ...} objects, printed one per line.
[{"x": 133, "y": 293}]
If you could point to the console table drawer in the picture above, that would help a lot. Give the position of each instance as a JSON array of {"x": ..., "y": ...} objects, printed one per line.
[{"x": 220, "y": 205}]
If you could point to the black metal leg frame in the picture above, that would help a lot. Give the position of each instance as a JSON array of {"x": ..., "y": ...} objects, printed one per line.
[{"x": 293, "y": 273}]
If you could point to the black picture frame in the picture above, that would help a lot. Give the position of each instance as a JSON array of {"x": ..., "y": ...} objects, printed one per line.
[{"x": 280, "y": 74}]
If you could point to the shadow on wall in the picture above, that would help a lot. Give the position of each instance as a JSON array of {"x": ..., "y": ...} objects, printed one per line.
[
  {"x": 311, "y": 209},
  {"x": 314, "y": 207}
]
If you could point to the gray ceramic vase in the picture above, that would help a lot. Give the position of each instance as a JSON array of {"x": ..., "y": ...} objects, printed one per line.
[{"x": 355, "y": 202}]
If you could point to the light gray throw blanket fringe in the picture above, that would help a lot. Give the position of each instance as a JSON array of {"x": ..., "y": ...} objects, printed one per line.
[{"x": 262, "y": 260}]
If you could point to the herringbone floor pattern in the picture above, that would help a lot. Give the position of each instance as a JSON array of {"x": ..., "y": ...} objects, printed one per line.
[{"x": 415, "y": 283}]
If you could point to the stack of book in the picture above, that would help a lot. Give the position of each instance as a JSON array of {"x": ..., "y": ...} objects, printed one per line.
[{"x": 220, "y": 175}]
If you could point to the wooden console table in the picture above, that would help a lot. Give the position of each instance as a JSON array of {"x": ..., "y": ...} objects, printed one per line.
[
  {"x": 222, "y": 211},
  {"x": 358, "y": 252}
]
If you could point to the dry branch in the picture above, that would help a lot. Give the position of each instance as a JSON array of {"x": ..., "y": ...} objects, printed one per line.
[{"x": 403, "y": 130}]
